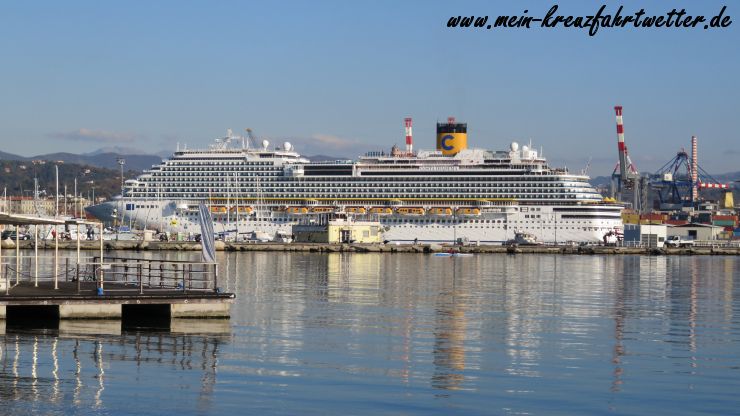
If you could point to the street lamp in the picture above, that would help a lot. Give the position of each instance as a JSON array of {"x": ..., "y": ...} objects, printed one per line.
[{"x": 121, "y": 161}]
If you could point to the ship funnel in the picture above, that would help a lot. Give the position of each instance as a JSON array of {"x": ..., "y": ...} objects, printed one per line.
[{"x": 452, "y": 137}]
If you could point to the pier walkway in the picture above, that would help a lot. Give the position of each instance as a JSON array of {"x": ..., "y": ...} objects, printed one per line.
[{"x": 101, "y": 287}]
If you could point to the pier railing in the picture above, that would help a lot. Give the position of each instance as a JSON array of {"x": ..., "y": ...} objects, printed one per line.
[
  {"x": 113, "y": 274},
  {"x": 149, "y": 275}
]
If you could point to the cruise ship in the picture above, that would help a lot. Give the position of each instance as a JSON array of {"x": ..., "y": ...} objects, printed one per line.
[{"x": 452, "y": 193}]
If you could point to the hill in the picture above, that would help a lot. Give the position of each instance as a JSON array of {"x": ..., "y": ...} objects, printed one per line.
[
  {"x": 107, "y": 160},
  {"x": 16, "y": 178}
]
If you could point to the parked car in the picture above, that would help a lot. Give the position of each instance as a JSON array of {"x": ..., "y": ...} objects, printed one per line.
[
  {"x": 11, "y": 234},
  {"x": 677, "y": 241}
]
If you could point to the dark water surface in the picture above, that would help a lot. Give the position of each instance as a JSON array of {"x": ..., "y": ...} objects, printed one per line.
[{"x": 410, "y": 334}]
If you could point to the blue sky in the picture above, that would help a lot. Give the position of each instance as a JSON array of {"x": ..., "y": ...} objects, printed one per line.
[{"x": 338, "y": 77}]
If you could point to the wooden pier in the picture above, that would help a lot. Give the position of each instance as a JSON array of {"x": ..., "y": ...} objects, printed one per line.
[{"x": 95, "y": 288}]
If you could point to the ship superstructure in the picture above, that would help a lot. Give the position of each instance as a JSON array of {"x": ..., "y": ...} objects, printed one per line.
[{"x": 429, "y": 196}]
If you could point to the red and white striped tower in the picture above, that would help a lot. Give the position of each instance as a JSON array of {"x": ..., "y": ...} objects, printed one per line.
[
  {"x": 620, "y": 143},
  {"x": 409, "y": 135},
  {"x": 694, "y": 170}
]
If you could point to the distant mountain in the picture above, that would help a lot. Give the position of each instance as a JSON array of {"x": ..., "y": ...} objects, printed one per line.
[
  {"x": 325, "y": 158},
  {"x": 601, "y": 181},
  {"x": 121, "y": 150},
  {"x": 105, "y": 160},
  {"x": 10, "y": 156}
]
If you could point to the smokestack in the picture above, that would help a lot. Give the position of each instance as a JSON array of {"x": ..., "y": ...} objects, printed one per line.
[
  {"x": 409, "y": 135},
  {"x": 694, "y": 170},
  {"x": 620, "y": 143}
]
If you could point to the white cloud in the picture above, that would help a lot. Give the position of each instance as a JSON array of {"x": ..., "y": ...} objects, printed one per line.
[
  {"x": 335, "y": 141},
  {"x": 95, "y": 136},
  {"x": 330, "y": 145}
]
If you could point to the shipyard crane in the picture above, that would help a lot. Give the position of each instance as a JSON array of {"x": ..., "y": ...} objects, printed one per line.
[
  {"x": 625, "y": 178},
  {"x": 677, "y": 183}
]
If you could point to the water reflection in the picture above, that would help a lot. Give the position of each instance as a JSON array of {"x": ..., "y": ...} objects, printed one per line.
[
  {"x": 48, "y": 367},
  {"x": 449, "y": 333},
  {"x": 487, "y": 334}
]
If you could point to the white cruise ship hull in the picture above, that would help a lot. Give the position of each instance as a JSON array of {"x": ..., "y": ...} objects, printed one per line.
[{"x": 494, "y": 225}]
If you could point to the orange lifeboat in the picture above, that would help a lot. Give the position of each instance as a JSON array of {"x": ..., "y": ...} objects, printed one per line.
[
  {"x": 410, "y": 210},
  {"x": 356, "y": 210},
  {"x": 322, "y": 210},
  {"x": 242, "y": 210},
  {"x": 218, "y": 209},
  {"x": 440, "y": 211},
  {"x": 468, "y": 211},
  {"x": 381, "y": 210},
  {"x": 297, "y": 210}
]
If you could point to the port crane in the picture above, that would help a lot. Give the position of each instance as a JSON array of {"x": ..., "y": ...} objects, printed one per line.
[
  {"x": 627, "y": 182},
  {"x": 677, "y": 183}
]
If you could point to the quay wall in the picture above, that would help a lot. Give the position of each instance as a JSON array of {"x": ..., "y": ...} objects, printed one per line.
[{"x": 376, "y": 248}]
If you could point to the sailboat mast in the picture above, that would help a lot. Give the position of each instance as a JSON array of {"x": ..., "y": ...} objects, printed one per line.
[
  {"x": 236, "y": 182},
  {"x": 56, "y": 195}
]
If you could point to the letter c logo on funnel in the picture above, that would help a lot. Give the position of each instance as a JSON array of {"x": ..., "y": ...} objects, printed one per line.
[{"x": 445, "y": 139}]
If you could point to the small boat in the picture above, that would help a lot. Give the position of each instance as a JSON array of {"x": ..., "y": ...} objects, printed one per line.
[
  {"x": 524, "y": 239},
  {"x": 453, "y": 254},
  {"x": 259, "y": 237},
  {"x": 282, "y": 237}
]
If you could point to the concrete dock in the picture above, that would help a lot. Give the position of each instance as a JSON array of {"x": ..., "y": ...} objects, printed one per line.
[
  {"x": 721, "y": 248},
  {"x": 117, "y": 300}
]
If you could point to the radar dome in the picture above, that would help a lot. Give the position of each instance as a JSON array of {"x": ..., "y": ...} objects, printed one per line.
[
  {"x": 287, "y": 146},
  {"x": 514, "y": 146},
  {"x": 525, "y": 148},
  {"x": 265, "y": 143}
]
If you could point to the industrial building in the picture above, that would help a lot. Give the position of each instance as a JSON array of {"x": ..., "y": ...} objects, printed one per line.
[
  {"x": 338, "y": 231},
  {"x": 701, "y": 232}
]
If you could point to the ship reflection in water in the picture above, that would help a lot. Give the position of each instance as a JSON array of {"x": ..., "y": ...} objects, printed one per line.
[{"x": 374, "y": 333}]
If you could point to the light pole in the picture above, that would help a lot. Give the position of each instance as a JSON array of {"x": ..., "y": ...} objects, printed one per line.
[{"x": 121, "y": 161}]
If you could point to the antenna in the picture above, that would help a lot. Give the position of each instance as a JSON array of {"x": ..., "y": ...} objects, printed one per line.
[{"x": 585, "y": 170}]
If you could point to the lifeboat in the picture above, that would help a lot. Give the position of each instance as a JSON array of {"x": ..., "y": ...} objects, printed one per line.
[
  {"x": 381, "y": 210},
  {"x": 440, "y": 211},
  {"x": 218, "y": 209},
  {"x": 242, "y": 210},
  {"x": 322, "y": 210},
  {"x": 410, "y": 211},
  {"x": 468, "y": 211},
  {"x": 297, "y": 210},
  {"x": 356, "y": 210}
]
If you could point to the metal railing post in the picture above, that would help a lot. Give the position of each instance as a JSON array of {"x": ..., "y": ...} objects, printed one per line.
[
  {"x": 215, "y": 276},
  {"x": 17, "y": 256}
]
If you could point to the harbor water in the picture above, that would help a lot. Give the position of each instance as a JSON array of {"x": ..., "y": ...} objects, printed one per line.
[{"x": 408, "y": 334}]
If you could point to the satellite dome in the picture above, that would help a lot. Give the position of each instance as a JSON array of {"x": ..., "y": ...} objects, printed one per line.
[
  {"x": 265, "y": 143},
  {"x": 287, "y": 146},
  {"x": 525, "y": 148},
  {"x": 514, "y": 146}
]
